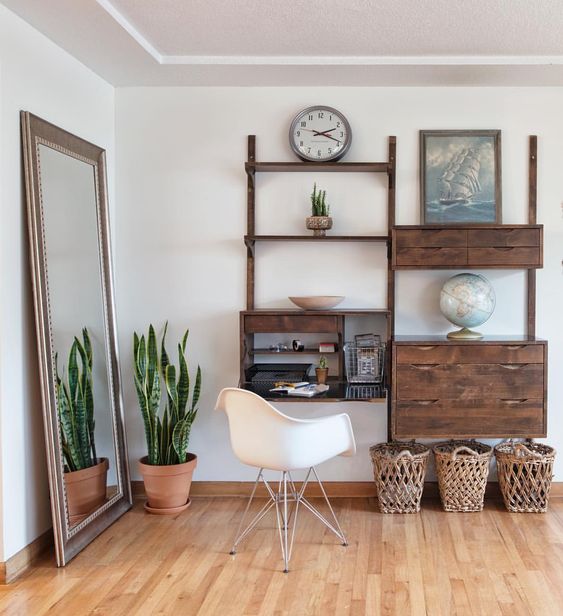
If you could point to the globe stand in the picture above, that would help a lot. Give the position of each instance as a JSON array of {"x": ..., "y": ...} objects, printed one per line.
[{"x": 465, "y": 334}]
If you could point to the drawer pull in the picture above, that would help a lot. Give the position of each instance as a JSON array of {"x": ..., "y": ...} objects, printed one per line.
[
  {"x": 516, "y": 347},
  {"x": 504, "y": 248},
  {"x": 425, "y": 402},
  {"x": 513, "y": 366},
  {"x": 426, "y": 348},
  {"x": 425, "y": 366},
  {"x": 513, "y": 401}
]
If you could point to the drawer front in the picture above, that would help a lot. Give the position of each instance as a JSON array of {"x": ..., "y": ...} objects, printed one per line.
[
  {"x": 256, "y": 324},
  {"x": 424, "y": 257},
  {"x": 469, "y": 381},
  {"x": 504, "y": 256},
  {"x": 430, "y": 238},
  {"x": 469, "y": 354},
  {"x": 503, "y": 237},
  {"x": 470, "y": 418}
]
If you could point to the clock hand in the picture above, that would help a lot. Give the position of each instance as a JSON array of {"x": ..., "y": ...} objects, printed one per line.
[
  {"x": 328, "y": 130},
  {"x": 327, "y": 136}
]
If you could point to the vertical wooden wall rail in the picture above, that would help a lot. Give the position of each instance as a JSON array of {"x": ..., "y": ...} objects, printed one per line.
[
  {"x": 532, "y": 220},
  {"x": 250, "y": 222},
  {"x": 391, "y": 175}
]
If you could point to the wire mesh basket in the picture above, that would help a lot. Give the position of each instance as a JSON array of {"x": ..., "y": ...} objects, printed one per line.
[{"x": 364, "y": 364}]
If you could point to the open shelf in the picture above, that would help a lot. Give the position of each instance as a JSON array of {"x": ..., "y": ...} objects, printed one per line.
[
  {"x": 252, "y": 167},
  {"x": 314, "y": 351},
  {"x": 249, "y": 239},
  {"x": 351, "y": 312},
  {"x": 340, "y": 391}
]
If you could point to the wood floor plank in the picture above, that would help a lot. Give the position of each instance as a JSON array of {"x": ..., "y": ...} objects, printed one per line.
[{"x": 433, "y": 563}]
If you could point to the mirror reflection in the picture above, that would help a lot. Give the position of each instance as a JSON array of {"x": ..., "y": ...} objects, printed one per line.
[{"x": 78, "y": 332}]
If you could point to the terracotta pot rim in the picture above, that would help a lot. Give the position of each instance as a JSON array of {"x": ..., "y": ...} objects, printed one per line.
[
  {"x": 168, "y": 469},
  {"x": 85, "y": 473}
]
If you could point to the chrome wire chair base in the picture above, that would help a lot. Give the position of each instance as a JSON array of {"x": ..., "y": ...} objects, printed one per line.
[{"x": 286, "y": 494}]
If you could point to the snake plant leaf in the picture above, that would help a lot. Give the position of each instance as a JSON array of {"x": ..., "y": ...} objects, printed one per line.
[
  {"x": 72, "y": 455},
  {"x": 164, "y": 436},
  {"x": 82, "y": 427},
  {"x": 164, "y": 359},
  {"x": 183, "y": 386},
  {"x": 196, "y": 393},
  {"x": 170, "y": 379},
  {"x": 73, "y": 370},
  {"x": 87, "y": 347},
  {"x": 141, "y": 360},
  {"x": 180, "y": 438},
  {"x": 150, "y": 428},
  {"x": 152, "y": 358}
]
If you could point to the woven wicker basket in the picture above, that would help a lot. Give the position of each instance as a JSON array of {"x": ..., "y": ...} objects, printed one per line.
[
  {"x": 525, "y": 472},
  {"x": 399, "y": 470},
  {"x": 462, "y": 468}
]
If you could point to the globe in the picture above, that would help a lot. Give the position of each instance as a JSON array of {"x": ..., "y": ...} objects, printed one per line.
[{"x": 467, "y": 300}]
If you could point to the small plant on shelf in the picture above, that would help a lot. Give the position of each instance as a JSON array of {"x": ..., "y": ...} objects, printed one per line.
[
  {"x": 320, "y": 220},
  {"x": 322, "y": 370}
]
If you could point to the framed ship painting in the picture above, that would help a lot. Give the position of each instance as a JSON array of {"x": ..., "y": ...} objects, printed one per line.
[{"x": 460, "y": 177}]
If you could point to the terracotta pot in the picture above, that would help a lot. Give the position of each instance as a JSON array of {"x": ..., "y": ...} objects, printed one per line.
[
  {"x": 168, "y": 487},
  {"x": 86, "y": 490},
  {"x": 318, "y": 224},
  {"x": 322, "y": 375}
]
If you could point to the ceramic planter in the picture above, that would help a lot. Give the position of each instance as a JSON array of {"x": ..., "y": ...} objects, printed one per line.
[
  {"x": 318, "y": 224},
  {"x": 86, "y": 490},
  {"x": 322, "y": 375},
  {"x": 168, "y": 487}
]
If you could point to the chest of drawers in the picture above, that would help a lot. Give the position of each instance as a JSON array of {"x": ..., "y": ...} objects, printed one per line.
[{"x": 490, "y": 388}]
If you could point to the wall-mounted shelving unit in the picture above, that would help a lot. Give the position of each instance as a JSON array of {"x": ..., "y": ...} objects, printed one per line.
[{"x": 290, "y": 321}]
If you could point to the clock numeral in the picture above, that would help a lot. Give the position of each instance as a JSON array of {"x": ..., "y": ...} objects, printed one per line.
[
  {"x": 303, "y": 124},
  {"x": 310, "y": 116},
  {"x": 330, "y": 117},
  {"x": 330, "y": 150},
  {"x": 321, "y": 115},
  {"x": 342, "y": 133},
  {"x": 308, "y": 150},
  {"x": 299, "y": 133},
  {"x": 338, "y": 143},
  {"x": 319, "y": 153},
  {"x": 338, "y": 125}
]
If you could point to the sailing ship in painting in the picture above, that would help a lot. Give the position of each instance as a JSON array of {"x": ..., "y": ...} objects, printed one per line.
[{"x": 460, "y": 180}]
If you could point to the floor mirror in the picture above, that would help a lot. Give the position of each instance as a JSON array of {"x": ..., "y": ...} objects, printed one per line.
[{"x": 65, "y": 180}]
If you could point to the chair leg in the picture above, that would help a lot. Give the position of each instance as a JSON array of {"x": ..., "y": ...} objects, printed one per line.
[
  {"x": 240, "y": 536},
  {"x": 339, "y": 533}
]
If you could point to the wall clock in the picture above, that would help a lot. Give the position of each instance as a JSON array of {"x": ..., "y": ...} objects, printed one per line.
[{"x": 320, "y": 133}]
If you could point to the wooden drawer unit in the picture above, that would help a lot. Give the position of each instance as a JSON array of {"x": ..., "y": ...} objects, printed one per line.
[
  {"x": 504, "y": 246},
  {"x": 477, "y": 389},
  {"x": 302, "y": 324}
]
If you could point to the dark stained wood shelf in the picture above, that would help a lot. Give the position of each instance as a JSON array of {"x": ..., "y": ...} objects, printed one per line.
[
  {"x": 314, "y": 351},
  {"x": 315, "y": 313},
  {"x": 315, "y": 238},
  {"x": 339, "y": 391},
  {"x": 505, "y": 339},
  {"x": 368, "y": 167}
]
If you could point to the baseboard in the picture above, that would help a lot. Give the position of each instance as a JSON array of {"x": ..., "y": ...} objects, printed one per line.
[
  {"x": 334, "y": 489},
  {"x": 21, "y": 561}
]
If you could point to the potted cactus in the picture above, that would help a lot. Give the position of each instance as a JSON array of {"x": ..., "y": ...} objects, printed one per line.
[
  {"x": 322, "y": 370},
  {"x": 319, "y": 221},
  {"x": 85, "y": 475},
  {"x": 168, "y": 468}
]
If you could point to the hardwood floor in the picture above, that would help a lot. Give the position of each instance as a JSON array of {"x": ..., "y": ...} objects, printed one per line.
[{"x": 431, "y": 563}]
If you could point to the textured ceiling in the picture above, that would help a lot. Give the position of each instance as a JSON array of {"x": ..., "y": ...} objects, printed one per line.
[
  {"x": 348, "y": 27},
  {"x": 308, "y": 42}
]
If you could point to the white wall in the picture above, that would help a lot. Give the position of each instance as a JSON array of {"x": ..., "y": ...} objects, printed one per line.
[
  {"x": 38, "y": 76},
  {"x": 181, "y": 217}
]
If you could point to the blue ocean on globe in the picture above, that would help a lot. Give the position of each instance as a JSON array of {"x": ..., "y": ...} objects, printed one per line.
[
  {"x": 467, "y": 300},
  {"x": 473, "y": 211}
]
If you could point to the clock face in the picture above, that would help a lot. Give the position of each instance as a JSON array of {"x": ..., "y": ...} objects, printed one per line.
[{"x": 320, "y": 133}]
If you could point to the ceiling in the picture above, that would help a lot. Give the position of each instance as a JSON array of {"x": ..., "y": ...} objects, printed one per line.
[{"x": 308, "y": 42}]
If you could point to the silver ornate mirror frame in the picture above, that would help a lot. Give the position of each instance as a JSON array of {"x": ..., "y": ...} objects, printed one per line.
[{"x": 69, "y": 540}]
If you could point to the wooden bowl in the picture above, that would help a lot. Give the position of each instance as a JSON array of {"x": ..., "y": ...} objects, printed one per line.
[{"x": 317, "y": 302}]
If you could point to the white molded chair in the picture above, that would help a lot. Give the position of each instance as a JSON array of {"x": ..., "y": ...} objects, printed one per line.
[{"x": 263, "y": 437}]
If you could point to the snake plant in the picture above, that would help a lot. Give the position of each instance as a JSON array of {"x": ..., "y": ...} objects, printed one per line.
[
  {"x": 167, "y": 435},
  {"x": 75, "y": 406}
]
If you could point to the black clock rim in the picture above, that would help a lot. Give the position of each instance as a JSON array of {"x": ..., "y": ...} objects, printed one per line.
[{"x": 310, "y": 159}]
